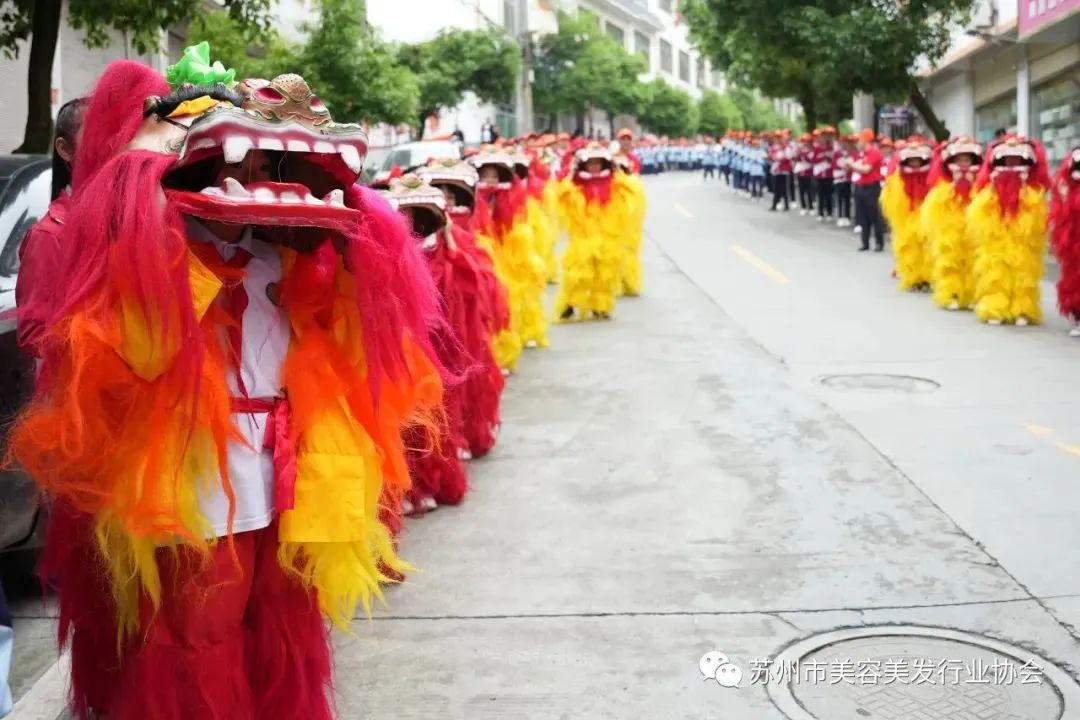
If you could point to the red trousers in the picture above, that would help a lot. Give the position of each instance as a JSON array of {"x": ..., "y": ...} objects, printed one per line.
[{"x": 235, "y": 638}]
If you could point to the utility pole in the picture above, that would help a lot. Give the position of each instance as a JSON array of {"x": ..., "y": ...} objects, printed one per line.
[{"x": 524, "y": 38}]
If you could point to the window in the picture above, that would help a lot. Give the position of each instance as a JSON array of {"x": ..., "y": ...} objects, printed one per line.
[
  {"x": 616, "y": 33},
  {"x": 684, "y": 66},
  {"x": 700, "y": 72},
  {"x": 1055, "y": 116},
  {"x": 642, "y": 46},
  {"x": 665, "y": 56},
  {"x": 1000, "y": 115},
  {"x": 665, "y": 5}
]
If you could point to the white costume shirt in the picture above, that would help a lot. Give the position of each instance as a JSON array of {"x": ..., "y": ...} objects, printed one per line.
[{"x": 265, "y": 344}]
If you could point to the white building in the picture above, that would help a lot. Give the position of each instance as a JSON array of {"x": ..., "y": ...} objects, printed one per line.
[
  {"x": 1017, "y": 69},
  {"x": 654, "y": 29},
  {"x": 75, "y": 69},
  {"x": 649, "y": 27},
  {"x": 413, "y": 21}
]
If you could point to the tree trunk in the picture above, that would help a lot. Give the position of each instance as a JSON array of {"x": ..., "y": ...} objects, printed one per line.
[
  {"x": 44, "y": 29},
  {"x": 424, "y": 115},
  {"x": 553, "y": 123},
  {"x": 580, "y": 130},
  {"x": 931, "y": 119},
  {"x": 611, "y": 126}
]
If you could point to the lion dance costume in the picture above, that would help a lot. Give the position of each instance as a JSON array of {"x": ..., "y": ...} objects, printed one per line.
[
  {"x": 438, "y": 475},
  {"x": 944, "y": 221},
  {"x": 241, "y": 337},
  {"x": 541, "y": 212},
  {"x": 901, "y": 198},
  {"x": 630, "y": 193},
  {"x": 501, "y": 223},
  {"x": 1065, "y": 223},
  {"x": 1007, "y": 220},
  {"x": 475, "y": 301},
  {"x": 596, "y": 223}
]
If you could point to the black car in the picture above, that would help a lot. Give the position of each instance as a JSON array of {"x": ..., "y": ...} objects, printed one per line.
[{"x": 24, "y": 197}]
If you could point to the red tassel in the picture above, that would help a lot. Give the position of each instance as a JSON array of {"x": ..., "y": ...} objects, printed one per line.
[
  {"x": 1065, "y": 222},
  {"x": 87, "y": 614}
]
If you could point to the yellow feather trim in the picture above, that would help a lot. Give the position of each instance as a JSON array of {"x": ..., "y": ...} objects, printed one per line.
[
  {"x": 1009, "y": 255},
  {"x": 592, "y": 261},
  {"x": 944, "y": 222},
  {"x": 909, "y": 243}
]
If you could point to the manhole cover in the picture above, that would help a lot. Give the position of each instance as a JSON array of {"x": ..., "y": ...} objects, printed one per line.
[
  {"x": 879, "y": 382},
  {"x": 906, "y": 672}
]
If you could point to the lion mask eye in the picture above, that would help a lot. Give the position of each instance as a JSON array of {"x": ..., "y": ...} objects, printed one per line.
[{"x": 269, "y": 95}]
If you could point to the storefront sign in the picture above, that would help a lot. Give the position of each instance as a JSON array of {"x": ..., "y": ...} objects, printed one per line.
[
  {"x": 896, "y": 114},
  {"x": 1034, "y": 15}
]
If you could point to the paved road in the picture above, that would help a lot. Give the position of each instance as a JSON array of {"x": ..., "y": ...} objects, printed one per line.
[{"x": 678, "y": 480}]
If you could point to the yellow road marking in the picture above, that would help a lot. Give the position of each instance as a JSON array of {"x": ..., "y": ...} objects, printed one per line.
[
  {"x": 765, "y": 268},
  {"x": 1071, "y": 449},
  {"x": 1038, "y": 429},
  {"x": 683, "y": 211}
]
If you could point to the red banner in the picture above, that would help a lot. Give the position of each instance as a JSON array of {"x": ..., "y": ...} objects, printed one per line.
[{"x": 1034, "y": 15}]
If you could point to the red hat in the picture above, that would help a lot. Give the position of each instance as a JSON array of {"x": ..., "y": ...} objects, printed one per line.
[{"x": 866, "y": 135}]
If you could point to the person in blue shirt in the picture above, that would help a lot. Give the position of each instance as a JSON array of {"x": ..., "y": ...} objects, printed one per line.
[
  {"x": 6, "y": 639},
  {"x": 709, "y": 159},
  {"x": 724, "y": 160},
  {"x": 756, "y": 161}
]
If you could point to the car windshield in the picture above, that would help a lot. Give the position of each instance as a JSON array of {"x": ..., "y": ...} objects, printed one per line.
[
  {"x": 398, "y": 157},
  {"x": 413, "y": 155}
]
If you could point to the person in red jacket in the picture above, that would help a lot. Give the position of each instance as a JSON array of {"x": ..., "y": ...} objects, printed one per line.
[
  {"x": 41, "y": 251},
  {"x": 780, "y": 167},
  {"x": 804, "y": 173},
  {"x": 1065, "y": 226},
  {"x": 867, "y": 175},
  {"x": 824, "y": 160},
  {"x": 626, "y": 155},
  {"x": 842, "y": 180}
]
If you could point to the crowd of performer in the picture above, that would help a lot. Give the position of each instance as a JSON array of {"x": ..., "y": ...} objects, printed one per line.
[
  {"x": 253, "y": 370},
  {"x": 968, "y": 222}
]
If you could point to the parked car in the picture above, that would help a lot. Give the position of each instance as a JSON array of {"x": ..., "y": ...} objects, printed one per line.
[
  {"x": 25, "y": 182},
  {"x": 413, "y": 154},
  {"x": 373, "y": 163}
]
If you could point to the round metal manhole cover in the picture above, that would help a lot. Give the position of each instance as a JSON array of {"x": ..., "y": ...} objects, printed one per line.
[
  {"x": 909, "y": 672},
  {"x": 879, "y": 382}
]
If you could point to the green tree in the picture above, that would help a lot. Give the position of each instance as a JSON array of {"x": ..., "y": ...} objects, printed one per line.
[
  {"x": 579, "y": 68},
  {"x": 355, "y": 72},
  {"x": 250, "y": 51},
  {"x": 670, "y": 111},
  {"x": 622, "y": 92},
  {"x": 141, "y": 22},
  {"x": 820, "y": 52},
  {"x": 718, "y": 114},
  {"x": 486, "y": 63},
  {"x": 757, "y": 111}
]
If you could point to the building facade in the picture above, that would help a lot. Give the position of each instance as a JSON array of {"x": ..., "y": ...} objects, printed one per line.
[
  {"x": 412, "y": 21},
  {"x": 1019, "y": 74},
  {"x": 75, "y": 69}
]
